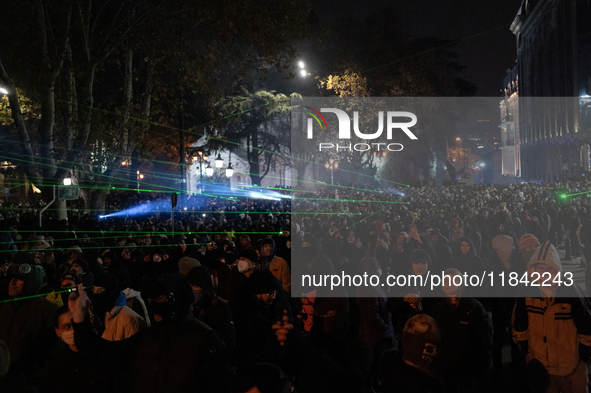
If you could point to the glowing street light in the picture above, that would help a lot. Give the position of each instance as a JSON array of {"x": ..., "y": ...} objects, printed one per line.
[
  {"x": 303, "y": 72},
  {"x": 219, "y": 161},
  {"x": 229, "y": 170},
  {"x": 3, "y": 91},
  {"x": 209, "y": 170},
  {"x": 332, "y": 164},
  {"x": 301, "y": 64},
  {"x": 67, "y": 181}
]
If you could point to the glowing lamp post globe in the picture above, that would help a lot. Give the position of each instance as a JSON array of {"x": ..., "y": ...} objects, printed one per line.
[
  {"x": 67, "y": 181},
  {"x": 229, "y": 170},
  {"x": 332, "y": 164},
  {"x": 209, "y": 170}
]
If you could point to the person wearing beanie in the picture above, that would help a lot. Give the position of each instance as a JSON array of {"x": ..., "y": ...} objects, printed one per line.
[
  {"x": 79, "y": 268},
  {"x": 254, "y": 314},
  {"x": 26, "y": 324},
  {"x": 277, "y": 265},
  {"x": 209, "y": 308},
  {"x": 112, "y": 264},
  {"x": 186, "y": 264},
  {"x": 528, "y": 244},
  {"x": 109, "y": 304},
  {"x": 553, "y": 324},
  {"x": 410, "y": 370}
]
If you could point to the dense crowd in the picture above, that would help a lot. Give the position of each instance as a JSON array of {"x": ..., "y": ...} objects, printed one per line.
[{"x": 139, "y": 302}]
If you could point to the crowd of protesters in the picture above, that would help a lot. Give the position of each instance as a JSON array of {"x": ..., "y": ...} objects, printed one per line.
[{"x": 204, "y": 303}]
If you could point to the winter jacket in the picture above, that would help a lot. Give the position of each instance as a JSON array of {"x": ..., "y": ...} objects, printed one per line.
[
  {"x": 27, "y": 327},
  {"x": 121, "y": 323},
  {"x": 185, "y": 357},
  {"x": 466, "y": 337},
  {"x": 556, "y": 330},
  {"x": 278, "y": 266},
  {"x": 375, "y": 323}
]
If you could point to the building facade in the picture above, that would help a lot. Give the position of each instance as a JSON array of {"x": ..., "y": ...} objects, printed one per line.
[
  {"x": 554, "y": 84},
  {"x": 510, "y": 141}
]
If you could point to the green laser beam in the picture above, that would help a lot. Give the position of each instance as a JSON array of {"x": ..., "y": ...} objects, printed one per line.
[
  {"x": 34, "y": 296},
  {"x": 366, "y": 217},
  {"x": 349, "y": 200}
]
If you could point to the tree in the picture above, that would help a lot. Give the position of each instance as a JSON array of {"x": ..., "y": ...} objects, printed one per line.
[
  {"x": 103, "y": 72},
  {"x": 261, "y": 122}
]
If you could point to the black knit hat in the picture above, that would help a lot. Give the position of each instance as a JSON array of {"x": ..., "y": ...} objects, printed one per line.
[
  {"x": 263, "y": 281},
  {"x": 420, "y": 256},
  {"x": 249, "y": 254}
]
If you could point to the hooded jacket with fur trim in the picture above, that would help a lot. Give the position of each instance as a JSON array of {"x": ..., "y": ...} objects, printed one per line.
[{"x": 553, "y": 326}]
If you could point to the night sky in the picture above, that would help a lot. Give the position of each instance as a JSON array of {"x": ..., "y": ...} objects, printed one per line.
[{"x": 486, "y": 47}]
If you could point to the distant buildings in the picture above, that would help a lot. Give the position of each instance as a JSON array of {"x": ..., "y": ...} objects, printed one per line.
[
  {"x": 551, "y": 136},
  {"x": 510, "y": 141}
]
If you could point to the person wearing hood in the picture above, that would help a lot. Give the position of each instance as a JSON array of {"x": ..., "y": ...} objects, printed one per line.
[
  {"x": 222, "y": 272},
  {"x": 506, "y": 259},
  {"x": 465, "y": 258},
  {"x": 466, "y": 336},
  {"x": 442, "y": 249},
  {"x": 246, "y": 266},
  {"x": 375, "y": 320},
  {"x": 411, "y": 299},
  {"x": 312, "y": 256},
  {"x": 401, "y": 252},
  {"x": 177, "y": 353},
  {"x": 473, "y": 232},
  {"x": 277, "y": 265},
  {"x": 410, "y": 369},
  {"x": 26, "y": 324},
  {"x": 534, "y": 228},
  {"x": 552, "y": 325},
  {"x": 245, "y": 243},
  {"x": 518, "y": 229},
  {"x": 109, "y": 304},
  {"x": 254, "y": 314},
  {"x": 113, "y": 265},
  {"x": 333, "y": 358},
  {"x": 209, "y": 308},
  {"x": 72, "y": 370},
  {"x": 348, "y": 253},
  {"x": 79, "y": 268}
]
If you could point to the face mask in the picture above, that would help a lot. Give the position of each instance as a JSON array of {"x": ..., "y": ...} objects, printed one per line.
[
  {"x": 165, "y": 310},
  {"x": 157, "y": 258},
  {"x": 202, "y": 252},
  {"x": 68, "y": 337},
  {"x": 380, "y": 271},
  {"x": 199, "y": 295},
  {"x": 243, "y": 266},
  {"x": 37, "y": 261}
]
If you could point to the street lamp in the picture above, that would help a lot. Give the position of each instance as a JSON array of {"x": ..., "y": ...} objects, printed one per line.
[
  {"x": 302, "y": 70},
  {"x": 3, "y": 91},
  {"x": 229, "y": 170},
  {"x": 219, "y": 161},
  {"x": 209, "y": 170},
  {"x": 332, "y": 164},
  {"x": 67, "y": 181}
]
